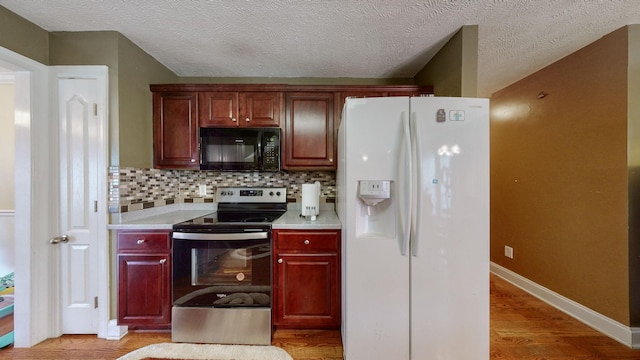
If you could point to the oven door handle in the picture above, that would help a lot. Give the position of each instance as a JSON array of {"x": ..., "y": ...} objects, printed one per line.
[{"x": 221, "y": 236}]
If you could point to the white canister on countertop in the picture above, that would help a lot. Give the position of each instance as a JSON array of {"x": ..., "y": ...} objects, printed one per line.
[{"x": 310, "y": 207}]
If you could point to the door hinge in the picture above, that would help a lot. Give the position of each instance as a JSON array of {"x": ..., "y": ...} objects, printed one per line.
[
  {"x": 95, "y": 302},
  {"x": 95, "y": 109}
]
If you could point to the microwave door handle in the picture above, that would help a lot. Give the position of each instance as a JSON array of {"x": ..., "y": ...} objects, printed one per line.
[
  {"x": 258, "y": 151},
  {"x": 259, "y": 148},
  {"x": 238, "y": 149}
]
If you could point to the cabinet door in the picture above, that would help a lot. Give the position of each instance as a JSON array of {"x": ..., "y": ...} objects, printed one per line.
[
  {"x": 307, "y": 291},
  {"x": 144, "y": 295},
  {"x": 260, "y": 109},
  {"x": 309, "y": 131},
  {"x": 218, "y": 109},
  {"x": 175, "y": 130}
]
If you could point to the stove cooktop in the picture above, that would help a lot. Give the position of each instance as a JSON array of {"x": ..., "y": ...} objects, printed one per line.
[
  {"x": 233, "y": 217},
  {"x": 242, "y": 207}
]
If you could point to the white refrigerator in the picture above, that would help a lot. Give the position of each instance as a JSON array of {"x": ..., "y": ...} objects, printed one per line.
[{"x": 413, "y": 198}]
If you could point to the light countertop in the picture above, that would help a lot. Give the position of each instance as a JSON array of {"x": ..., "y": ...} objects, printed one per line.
[
  {"x": 328, "y": 219},
  {"x": 160, "y": 218},
  {"x": 163, "y": 218}
]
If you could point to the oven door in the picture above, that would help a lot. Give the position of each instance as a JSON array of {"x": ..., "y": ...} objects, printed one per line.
[{"x": 222, "y": 269}]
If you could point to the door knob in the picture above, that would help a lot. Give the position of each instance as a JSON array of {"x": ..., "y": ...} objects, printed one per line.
[{"x": 59, "y": 239}]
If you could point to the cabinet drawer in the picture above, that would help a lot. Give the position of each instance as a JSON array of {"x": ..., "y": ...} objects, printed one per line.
[
  {"x": 308, "y": 240},
  {"x": 144, "y": 241}
]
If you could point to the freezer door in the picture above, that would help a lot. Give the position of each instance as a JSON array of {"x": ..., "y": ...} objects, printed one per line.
[
  {"x": 375, "y": 274},
  {"x": 450, "y": 251}
]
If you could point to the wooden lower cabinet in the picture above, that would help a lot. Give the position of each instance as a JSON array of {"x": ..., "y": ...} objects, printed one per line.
[
  {"x": 306, "y": 279},
  {"x": 144, "y": 279}
]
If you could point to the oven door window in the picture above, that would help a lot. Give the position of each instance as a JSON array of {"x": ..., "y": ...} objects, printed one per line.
[{"x": 222, "y": 273}]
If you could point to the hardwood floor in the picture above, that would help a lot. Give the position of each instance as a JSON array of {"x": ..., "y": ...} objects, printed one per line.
[{"x": 522, "y": 327}]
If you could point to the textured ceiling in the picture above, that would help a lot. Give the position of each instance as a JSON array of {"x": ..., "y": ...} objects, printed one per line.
[{"x": 339, "y": 38}]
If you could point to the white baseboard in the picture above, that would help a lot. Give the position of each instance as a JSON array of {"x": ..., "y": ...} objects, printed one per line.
[
  {"x": 115, "y": 331},
  {"x": 626, "y": 335}
]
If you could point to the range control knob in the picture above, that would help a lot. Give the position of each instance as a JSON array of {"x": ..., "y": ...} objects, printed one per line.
[
  {"x": 271, "y": 193},
  {"x": 223, "y": 193},
  {"x": 230, "y": 193},
  {"x": 278, "y": 193}
]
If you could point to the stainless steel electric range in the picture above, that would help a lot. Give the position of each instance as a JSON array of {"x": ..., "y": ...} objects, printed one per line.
[{"x": 222, "y": 283}]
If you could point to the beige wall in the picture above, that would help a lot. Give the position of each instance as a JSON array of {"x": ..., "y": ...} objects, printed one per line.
[
  {"x": 7, "y": 173},
  {"x": 559, "y": 177},
  {"x": 7, "y": 147}
]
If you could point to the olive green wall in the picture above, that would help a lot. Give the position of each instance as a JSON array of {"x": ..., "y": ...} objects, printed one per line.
[
  {"x": 23, "y": 37},
  {"x": 91, "y": 48},
  {"x": 559, "y": 186},
  {"x": 453, "y": 71},
  {"x": 131, "y": 70},
  {"x": 137, "y": 70}
]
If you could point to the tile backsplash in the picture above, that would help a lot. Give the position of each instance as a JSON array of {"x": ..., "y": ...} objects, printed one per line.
[{"x": 132, "y": 189}]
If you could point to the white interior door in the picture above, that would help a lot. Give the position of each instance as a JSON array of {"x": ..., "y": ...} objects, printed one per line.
[{"x": 82, "y": 204}]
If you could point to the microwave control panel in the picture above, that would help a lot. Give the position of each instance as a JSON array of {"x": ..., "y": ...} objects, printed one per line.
[{"x": 271, "y": 154}]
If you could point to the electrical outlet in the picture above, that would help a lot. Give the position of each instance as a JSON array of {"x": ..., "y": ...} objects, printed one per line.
[
  {"x": 508, "y": 251},
  {"x": 202, "y": 190}
]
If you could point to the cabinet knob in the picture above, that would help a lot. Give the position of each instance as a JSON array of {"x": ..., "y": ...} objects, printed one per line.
[
  {"x": 247, "y": 120},
  {"x": 193, "y": 160},
  {"x": 233, "y": 119},
  {"x": 140, "y": 241},
  {"x": 330, "y": 160},
  {"x": 279, "y": 261},
  {"x": 163, "y": 261},
  {"x": 306, "y": 242}
]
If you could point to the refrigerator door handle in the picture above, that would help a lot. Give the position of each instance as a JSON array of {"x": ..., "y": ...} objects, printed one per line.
[
  {"x": 407, "y": 180},
  {"x": 416, "y": 193}
]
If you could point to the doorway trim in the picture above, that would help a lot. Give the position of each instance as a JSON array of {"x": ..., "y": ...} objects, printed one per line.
[
  {"x": 33, "y": 202},
  {"x": 36, "y": 317}
]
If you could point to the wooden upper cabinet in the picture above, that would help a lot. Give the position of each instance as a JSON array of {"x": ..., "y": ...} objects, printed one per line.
[
  {"x": 239, "y": 109},
  {"x": 382, "y": 91},
  {"x": 359, "y": 94},
  {"x": 260, "y": 109},
  {"x": 309, "y": 116},
  {"x": 175, "y": 130},
  {"x": 218, "y": 109},
  {"x": 309, "y": 131}
]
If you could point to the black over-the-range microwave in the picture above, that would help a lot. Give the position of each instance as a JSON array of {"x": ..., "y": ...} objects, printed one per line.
[{"x": 240, "y": 149}]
